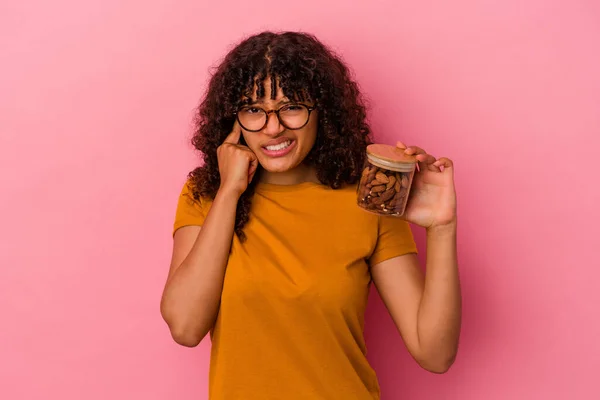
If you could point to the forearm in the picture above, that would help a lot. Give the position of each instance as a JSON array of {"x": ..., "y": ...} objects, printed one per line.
[
  {"x": 192, "y": 294},
  {"x": 439, "y": 315}
]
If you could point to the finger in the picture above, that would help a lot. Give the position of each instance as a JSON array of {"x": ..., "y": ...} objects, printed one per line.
[
  {"x": 400, "y": 145},
  {"x": 234, "y": 135},
  {"x": 433, "y": 168},
  {"x": 444, "y": 162},
  {"x": 429, "y": 166},
  {"x": 253, "y": 165},
  {"x": 425, "y": 158},
  {"x": 414, "y": 150},
  {"x": 427, "y": 161}
]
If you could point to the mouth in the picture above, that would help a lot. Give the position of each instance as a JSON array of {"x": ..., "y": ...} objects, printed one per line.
[{"x": 279, "y": 148}]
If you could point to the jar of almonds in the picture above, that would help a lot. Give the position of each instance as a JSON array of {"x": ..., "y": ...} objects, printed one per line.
[{"x": 386, "y": 180}]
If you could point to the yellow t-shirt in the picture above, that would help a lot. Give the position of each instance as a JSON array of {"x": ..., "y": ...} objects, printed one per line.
[{"x": 290, "y": 324}]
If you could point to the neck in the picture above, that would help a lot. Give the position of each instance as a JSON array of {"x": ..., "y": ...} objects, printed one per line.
[{"x": 300, "y": 174}]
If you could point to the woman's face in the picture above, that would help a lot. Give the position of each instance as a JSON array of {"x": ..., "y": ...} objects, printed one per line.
[{"x": 277, "y": 148}]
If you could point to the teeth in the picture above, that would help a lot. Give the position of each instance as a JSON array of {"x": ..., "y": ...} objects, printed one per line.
[{"x": 279, "y": 146}]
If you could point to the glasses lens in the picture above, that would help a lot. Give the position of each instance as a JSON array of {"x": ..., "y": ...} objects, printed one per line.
[
  {"x": 293, "y": 116},
  {"x": 252, "y": 118}
]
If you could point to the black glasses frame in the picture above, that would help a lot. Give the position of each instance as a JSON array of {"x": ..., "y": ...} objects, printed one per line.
[{"x": 276, "y": 112}]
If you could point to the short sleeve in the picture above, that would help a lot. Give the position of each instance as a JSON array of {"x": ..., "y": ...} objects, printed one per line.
[
  {"x": 395, "y": 238},
  {"x": 189, "y": 210}
]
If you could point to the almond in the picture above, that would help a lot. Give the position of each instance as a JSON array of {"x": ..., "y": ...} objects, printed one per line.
[
  {"x": 378, "y": 189},
  {"x": 363, "y": 180},
  {"x": 382, "y": 191},
  {"x": 381, "y": 177},
  {"x": 404, "y": 181},
  {"x": 391, "y": 183},
  {"x": 371, "y": 174},
  {"x": 388, "y": 194},
  {"x": 377, "y": 201},
  {"x": 364, "y": 191}
]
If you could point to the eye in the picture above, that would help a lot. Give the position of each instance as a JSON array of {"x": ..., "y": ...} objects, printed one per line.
[
  {"x": 251, "y": 110},
  {"x": 291, "y": 107}
]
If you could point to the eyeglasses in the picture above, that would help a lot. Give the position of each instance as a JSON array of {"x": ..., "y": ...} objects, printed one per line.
[{"x": 292, "y": 116}]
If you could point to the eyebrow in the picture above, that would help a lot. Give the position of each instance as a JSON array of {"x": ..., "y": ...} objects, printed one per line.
[{"x": 282, "y": 101}]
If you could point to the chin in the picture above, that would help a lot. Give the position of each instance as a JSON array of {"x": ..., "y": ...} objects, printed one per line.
[{"x": 279, "y": 165}]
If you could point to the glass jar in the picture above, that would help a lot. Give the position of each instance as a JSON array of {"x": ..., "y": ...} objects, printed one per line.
[{"x": 386, "y": 180}]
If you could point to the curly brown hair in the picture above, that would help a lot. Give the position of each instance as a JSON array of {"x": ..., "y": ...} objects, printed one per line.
[{"x": 304, "y": 68}]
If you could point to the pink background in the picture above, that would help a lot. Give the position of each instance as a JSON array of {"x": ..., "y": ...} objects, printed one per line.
[{"x": 96, "y": 101}]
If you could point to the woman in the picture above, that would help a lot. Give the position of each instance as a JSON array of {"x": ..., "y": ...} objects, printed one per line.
[{"x": 271, "y": 253}]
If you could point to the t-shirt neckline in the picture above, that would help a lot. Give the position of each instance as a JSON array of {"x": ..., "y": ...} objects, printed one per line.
[{"x": 271, "y": 187}]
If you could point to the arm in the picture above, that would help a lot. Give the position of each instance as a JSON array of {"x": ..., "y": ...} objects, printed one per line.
[
  {"x": 426, "y": 311},
  {"x": 192, "y": 294}
]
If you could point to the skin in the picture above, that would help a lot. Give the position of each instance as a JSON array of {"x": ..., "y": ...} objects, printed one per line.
[
  {"x": 287, "y": 170},
  {"x": 426, "y": 309}
]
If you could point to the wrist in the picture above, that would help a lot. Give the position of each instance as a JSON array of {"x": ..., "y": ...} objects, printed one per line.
[
  {"x": 443, "y": 230},
  {"x": 227, "y": 194}
]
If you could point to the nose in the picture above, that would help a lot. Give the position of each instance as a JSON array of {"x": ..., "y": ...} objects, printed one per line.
[{"x": 273, "y": 127}]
